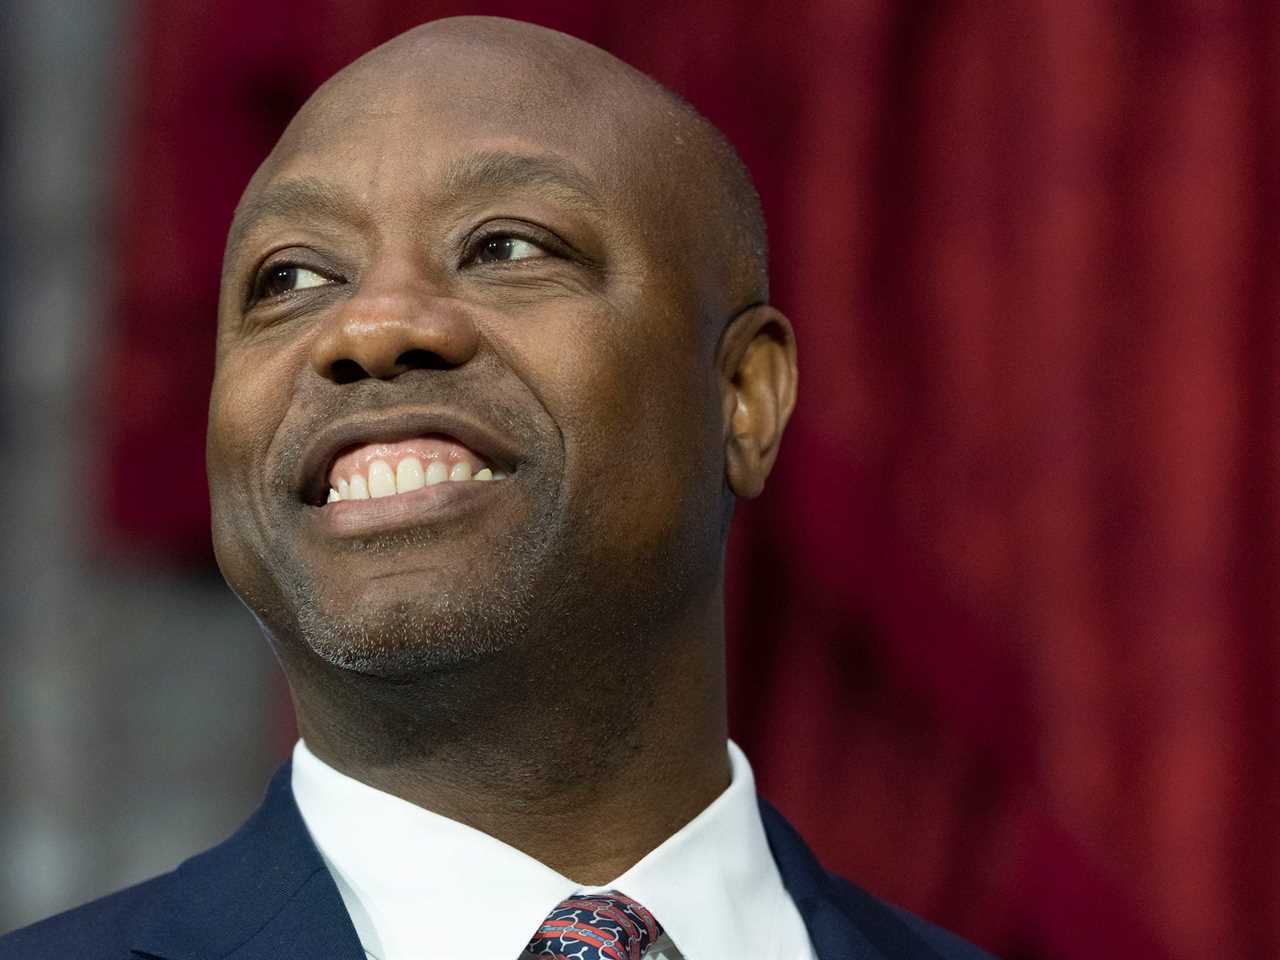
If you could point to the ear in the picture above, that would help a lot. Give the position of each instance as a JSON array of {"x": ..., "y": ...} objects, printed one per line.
[{"x": 757, "y": 361}]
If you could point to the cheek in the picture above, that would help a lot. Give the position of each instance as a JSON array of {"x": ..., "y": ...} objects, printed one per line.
[
  {"x": 241, "y": 405},
  {"x": 639, "y": 411},
  {"x": 250, "y": 395}
]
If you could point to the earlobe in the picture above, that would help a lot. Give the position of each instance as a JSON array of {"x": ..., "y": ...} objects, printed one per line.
[{"x": 758, "y": 383}]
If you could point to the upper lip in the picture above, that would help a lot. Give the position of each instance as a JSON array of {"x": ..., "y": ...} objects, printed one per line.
[{"x": 391, "y": 425}]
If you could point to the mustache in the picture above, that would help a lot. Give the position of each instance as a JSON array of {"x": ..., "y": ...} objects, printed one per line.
[{"x": 480, "y": 397}]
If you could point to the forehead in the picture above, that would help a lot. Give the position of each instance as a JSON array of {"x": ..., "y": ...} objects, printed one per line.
[{"x": 455, "y": 117}]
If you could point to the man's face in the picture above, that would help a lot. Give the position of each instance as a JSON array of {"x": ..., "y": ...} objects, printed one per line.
[{"x": 445, "y": 274}]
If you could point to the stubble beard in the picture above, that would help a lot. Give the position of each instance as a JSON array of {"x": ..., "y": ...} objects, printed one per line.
[{"x": 445, "y": 626}]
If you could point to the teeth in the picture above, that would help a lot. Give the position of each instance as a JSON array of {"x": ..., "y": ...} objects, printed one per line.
[
  {"x": 409, "y": 475},
  {"x": 382, "y": 482}
]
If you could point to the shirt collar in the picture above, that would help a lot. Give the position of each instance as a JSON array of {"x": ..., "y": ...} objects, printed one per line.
[
  {"x": 410, "y": 877},
  {"x": 713, "y": 885}
]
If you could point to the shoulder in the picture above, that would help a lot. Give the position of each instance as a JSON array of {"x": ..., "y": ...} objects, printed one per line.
[
  {"x": 99, "y": 930},
  {"x": 845, "y": 920},
  {"x": 203, "y": 907},
  {"x": 947, "y": 944}
]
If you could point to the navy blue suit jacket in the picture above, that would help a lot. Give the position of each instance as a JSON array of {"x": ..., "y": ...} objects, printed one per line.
[{"x": 265, "y": 894}]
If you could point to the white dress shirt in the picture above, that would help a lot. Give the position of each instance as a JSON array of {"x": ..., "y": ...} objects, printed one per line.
[{"x": 420, "y": 886}]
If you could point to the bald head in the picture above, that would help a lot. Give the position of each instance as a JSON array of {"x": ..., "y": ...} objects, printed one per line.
[{"x": 678, "y": 174}]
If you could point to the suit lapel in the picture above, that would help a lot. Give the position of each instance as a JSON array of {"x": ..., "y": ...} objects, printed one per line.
[
  {"x": 263, "y": 893},
  {"x": 313, "y": 923}
]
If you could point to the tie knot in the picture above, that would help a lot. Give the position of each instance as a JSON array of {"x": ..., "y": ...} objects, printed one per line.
[{"x": 595, "y": 926}]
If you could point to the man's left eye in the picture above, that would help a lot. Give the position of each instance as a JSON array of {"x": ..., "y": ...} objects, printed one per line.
[{"x": 508, "y": 248}]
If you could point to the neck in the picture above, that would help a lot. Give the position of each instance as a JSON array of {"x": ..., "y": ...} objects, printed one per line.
[{"x": 582, "y": 767}]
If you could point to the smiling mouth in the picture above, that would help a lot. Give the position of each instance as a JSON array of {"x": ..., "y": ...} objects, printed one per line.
[{"x": 375, "y": 471}]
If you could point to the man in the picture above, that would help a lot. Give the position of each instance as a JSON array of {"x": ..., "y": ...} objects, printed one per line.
[{"x": 495, "y": 358}]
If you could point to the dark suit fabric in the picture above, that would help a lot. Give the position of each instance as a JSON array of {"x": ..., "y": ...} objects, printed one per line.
[{"x": 265, "y": 894}]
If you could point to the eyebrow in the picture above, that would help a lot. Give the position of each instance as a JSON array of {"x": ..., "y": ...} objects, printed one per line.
[
  {"x": 494, "y": 170},
  {"x": 473, "y": 175},
  {"x": 286, "y": 198}
]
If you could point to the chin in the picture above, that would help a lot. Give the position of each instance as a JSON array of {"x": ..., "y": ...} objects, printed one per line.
[
  {"x": 413, "y": 638},
  {"x": 408, "y": 604}
]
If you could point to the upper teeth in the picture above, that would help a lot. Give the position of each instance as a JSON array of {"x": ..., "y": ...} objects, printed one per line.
[{"x": 408, "y": 475}]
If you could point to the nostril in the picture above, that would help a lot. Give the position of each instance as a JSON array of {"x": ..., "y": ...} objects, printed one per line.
[
  {"x": 346, "y": 371},
  {"x": 422, "y": 360}
]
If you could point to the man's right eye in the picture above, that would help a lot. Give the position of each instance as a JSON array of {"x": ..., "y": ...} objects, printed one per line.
[{"x": 287, "y": 278}]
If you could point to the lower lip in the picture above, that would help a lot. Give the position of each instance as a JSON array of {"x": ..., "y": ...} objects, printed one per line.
[{"x": 428, "y": 506}]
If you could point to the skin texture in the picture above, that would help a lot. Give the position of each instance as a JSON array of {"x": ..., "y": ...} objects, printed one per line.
[{"x": 542, "y": 660}]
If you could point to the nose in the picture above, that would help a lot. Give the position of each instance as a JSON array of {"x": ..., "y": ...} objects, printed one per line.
[{"x": 388, "y": 329}]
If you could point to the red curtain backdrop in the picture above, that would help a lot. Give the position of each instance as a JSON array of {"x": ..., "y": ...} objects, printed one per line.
[{"x": 1004, "y": 626}]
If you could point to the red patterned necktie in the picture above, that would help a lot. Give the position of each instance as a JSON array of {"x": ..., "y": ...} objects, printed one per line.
[{"x": 599, "y": 926}]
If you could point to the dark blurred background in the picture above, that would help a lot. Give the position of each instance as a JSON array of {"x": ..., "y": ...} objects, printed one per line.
[{"x": 1004, "y": 627}]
